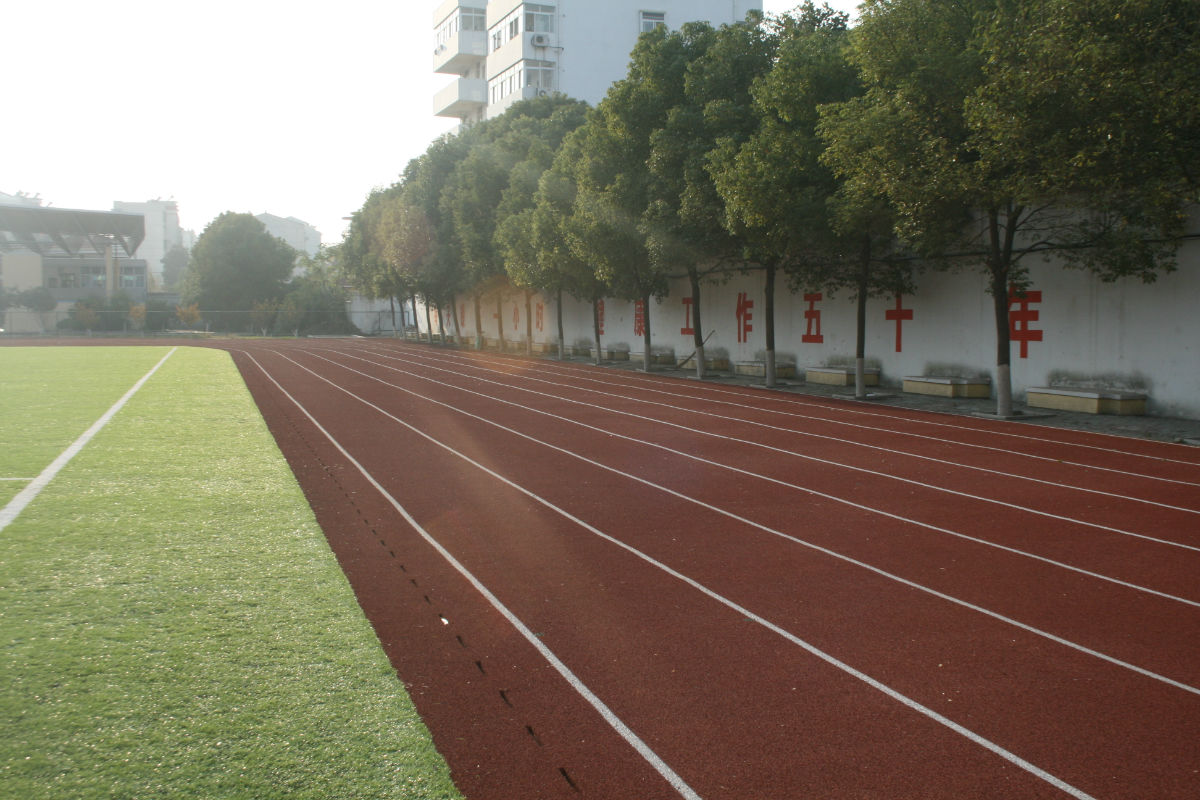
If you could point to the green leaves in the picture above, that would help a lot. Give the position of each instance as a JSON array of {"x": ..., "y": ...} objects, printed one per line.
[{"x": 236, "y": 262}]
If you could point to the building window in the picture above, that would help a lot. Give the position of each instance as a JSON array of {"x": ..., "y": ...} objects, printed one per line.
[
  {"x": 133, "y": 278},
  {"x": 514, "y": 28},
  {"x": 497, "y": 40},
  {"x": 93, "y": 277},
  {"x": 653, "y": 20},
  {"x": 540, "y": 75},
  {"x": 474, "y": 19},
  {"x": 539, "y": 18}
]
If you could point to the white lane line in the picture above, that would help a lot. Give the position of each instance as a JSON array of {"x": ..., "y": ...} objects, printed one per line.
[
  {"x": 826, "y": 437},
  {"x": 787, "y": 485},
  {"x": 30, "y": 492},
  {"x": 579, "y": 373},
  {"x": 790, "y": 399},
  {"x": 907, "y": 701},
  {"x": 797, "y": 454},
  {"x": 623, "y": 730},
  {"x": 759, "y": 526}
]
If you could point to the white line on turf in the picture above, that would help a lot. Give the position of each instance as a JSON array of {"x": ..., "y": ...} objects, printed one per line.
[
  {"x": 575, "y": 682},
  {"x": 30, "y": 492},
  {"x": 925, "y": 711}
]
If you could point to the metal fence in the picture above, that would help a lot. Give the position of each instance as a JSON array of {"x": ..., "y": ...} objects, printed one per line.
[{"x": 22, "y": 322}]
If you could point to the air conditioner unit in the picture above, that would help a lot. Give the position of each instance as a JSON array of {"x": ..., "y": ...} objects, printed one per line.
[
  {"x": 539, "y": 40},
  {"x": 542, "y": 93}
]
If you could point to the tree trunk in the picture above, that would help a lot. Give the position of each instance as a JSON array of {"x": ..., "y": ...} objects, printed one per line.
[
  {"x": 1004, "y": 406},
  {"x": 860, "y": 345},
  {"x": 392, "y": 304},
  {"x": 428, "y": 322},
  {"x": 417, "y": 325},
  {"x": 500, "y": 320},
  {"x": 478, "y": 325},
  {"x": 562, "y": 345},
  {"x": 1000, "y": 267},
  {"x": 769, "y": 321},
  {"x": 454, "y": 317},
  {"x": 528, "y": 323},
  {"x": 646, "y": 332},
  {"x": 441, "y": 323},
  {"x": 697, "y": 327},
  {"x": 596, "y": 329}
]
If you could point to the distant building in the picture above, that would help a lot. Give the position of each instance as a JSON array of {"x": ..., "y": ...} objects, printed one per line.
[
  {"x": 298, "y": 233},
  {"x": 20, "y": 199},
  {"x": 162, "y": 233},
  {"x": 506, "y": 50},
  {"x": 73, "y": 253}
]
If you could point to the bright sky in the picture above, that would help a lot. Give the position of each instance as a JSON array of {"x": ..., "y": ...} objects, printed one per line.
[{"x": 297, "y": 109}]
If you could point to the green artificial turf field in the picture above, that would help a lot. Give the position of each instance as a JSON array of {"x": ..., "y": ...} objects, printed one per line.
[{"x": 173, "y": 621}]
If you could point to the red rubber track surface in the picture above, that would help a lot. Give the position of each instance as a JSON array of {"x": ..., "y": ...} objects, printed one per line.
[{"x": 773, "y": 596}]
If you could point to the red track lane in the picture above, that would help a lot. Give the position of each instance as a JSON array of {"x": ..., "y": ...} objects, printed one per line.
[
  {"x": 717, "y": 667},
  {"x": 1134, "y": 629},
  {"x": 1107, "y": 511}
]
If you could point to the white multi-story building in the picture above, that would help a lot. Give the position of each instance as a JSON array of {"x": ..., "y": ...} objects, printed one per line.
[
  {"x": 162, "y": 232},
  {"x": 503, "y": 51},
  {"x": 304, "y": 238}
]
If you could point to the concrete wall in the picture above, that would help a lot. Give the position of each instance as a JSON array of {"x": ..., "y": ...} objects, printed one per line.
[{"x": 1081, "y": 331}]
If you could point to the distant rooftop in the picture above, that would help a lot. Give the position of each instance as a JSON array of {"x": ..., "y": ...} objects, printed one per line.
[{"x": 68, "y": 232}]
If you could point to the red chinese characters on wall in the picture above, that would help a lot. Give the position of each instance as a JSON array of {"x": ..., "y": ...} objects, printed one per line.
[
  {"x": 1020, "y": 318},
  {"x": 744, "y": 317},
  {"x": 687, "y": 329},
  {"x": 812, "y": 316},
  {"x": 639, "y": 318},
  {"x": 899, "y": 315}
]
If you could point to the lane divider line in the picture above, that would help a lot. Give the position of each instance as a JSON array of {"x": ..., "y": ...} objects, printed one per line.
[
  {"x": 792, "y": 401},
  {"x": 767, "y": 529},
  {"x": 27, "y": 495},
  {"x": 850, "y": 442},
  {"x": 825, "y": 461},
  {"x": 910, "y": 703},
  {"x": 580, "y": 369},
  {"x": 769, "y": 479},
  {"x": 623, "y": 730}
]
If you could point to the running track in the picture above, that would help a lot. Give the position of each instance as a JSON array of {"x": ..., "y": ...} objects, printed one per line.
[{"x": 607, "y": 584}]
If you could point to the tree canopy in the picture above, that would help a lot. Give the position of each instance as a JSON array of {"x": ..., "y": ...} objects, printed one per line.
[
  {"x": 936, "y": 133},
  {"x": 236, "y": 262}
]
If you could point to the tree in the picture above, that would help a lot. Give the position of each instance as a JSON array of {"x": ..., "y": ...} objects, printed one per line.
[
  {"x": 607, "y": 223},
  {"x": 549, "y": 231},
  {"x": 175, "y": 263},
  {"x": 537, "y": 133},
  {"x": 683, "y": 221},
  {"x": 236, "y": 262},
  {"x": 962, "y": 152}
]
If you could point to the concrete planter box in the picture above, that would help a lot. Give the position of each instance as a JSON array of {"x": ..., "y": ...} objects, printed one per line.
[
  {"x": 758, "y": 369},
  {"x": 948, "y": 387},
  {"x": 1087, "y": 401},
  {"x": 839, "y": 376},
  {"x": 717, "y": 363}
]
